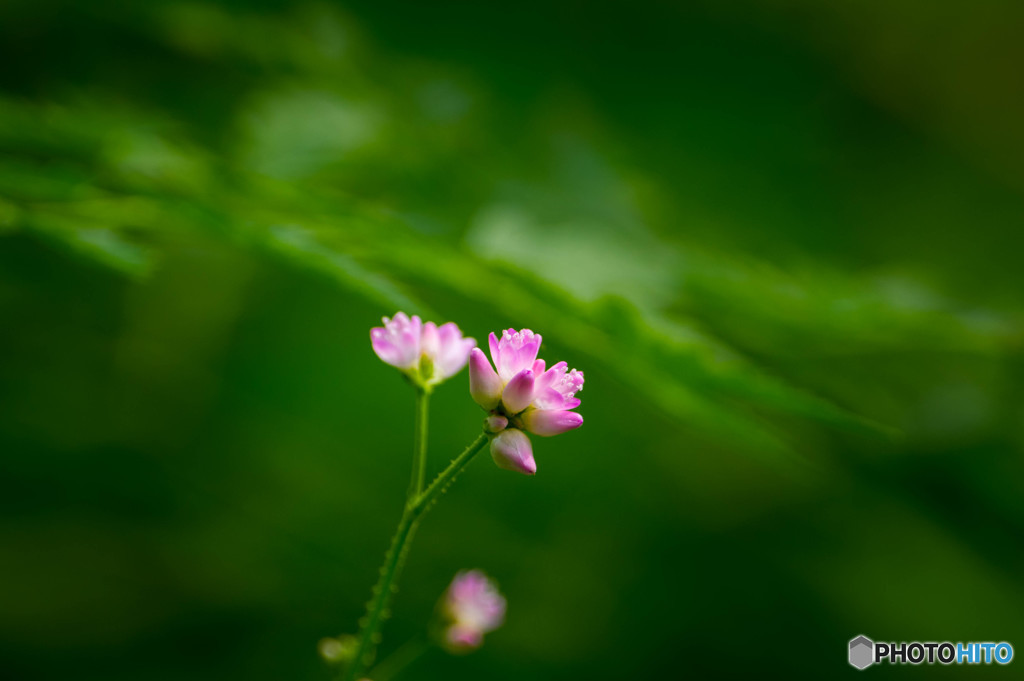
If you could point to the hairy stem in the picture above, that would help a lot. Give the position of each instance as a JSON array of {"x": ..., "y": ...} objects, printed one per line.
[
  {"x": 415, "y": 507},
  {"x": 448, "y": 475}
]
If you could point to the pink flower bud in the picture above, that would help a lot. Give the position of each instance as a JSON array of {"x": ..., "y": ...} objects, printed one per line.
[
  {"x": 496, "y": 423},
  {"x": 484, "y": 384},
  {"x": 519, "y": 392},
  {"x": 473, "y": 607},
  {"x": 546, "y": 422},
  {"x": 512, "y": 451}
]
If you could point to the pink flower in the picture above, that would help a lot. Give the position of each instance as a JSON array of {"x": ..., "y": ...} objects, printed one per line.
[
  {"x": 473, "y": 607},
  {"x": 520, "y": 389},
  {"x": 427, "y": 353}
]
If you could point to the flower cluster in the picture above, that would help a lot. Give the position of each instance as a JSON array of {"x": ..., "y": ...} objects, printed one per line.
[
  {"x": 522, "y": 395},
  {"x": 428, "y": 354},
  {"x": 472, "y": 607}
]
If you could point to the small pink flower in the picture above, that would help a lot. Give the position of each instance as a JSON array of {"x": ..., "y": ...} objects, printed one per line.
[
  {"x": 473, "y": 607},
  {"x": 427, "y": 353},
  {"x": 522, "y": 390}
]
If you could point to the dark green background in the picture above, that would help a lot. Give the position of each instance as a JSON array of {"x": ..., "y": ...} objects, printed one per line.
[{"x": 783, "y": 240}]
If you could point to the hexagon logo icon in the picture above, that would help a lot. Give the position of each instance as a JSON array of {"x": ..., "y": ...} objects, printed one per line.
[{"x": 862, "y": 652}]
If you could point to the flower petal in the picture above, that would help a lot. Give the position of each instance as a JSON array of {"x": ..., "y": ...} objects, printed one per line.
[
  {"x": 518, "y": 394},
  {"x": 552, "y": 375},
  {"x": 430, "y": 341},
  {"x": 395, "y": 344},
  {"x": 484, "y": 384},
  {"x": 495, "y": 346},
  {"x": 516, "y": 350},
  {"x": 549, "y": 398},
  {"x": 453, "y": 351},
  {"x": 546, "y": 422}
]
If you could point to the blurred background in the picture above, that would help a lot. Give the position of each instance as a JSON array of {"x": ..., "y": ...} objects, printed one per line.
[{"x": 782, "y": 238}]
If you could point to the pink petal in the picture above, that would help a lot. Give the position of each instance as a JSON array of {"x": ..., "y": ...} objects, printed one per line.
[
  {"x": 530, "y": 348},
  {"x": 391, "y": 349},
  {"x": 484, "y": 384},
  {"x": 552, "y": 375},
  {"x": 546, "y": 423},
  {"x": 449, "y": 334},
  {"x": 517, "y": 350},
  {"x": 430, "y": 341},
  {"x": 518, "y": 393},
  {"x": 453, "y": 352},
  {"x": 495, "y": 346},
  {"x": 549, "y": 398}
]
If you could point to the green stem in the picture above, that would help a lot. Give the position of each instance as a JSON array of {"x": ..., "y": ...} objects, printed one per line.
[
  {"x": 419, "y": 453},
  {"x": 448, "y": 475},
  {"x": 377, "y": 608}
]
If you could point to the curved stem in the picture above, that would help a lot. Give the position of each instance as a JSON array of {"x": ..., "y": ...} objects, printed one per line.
[
  {"x": 448, "y": 475},
  {"x": 377, "y": 608},
  {"x": 419, "y": 452}
]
